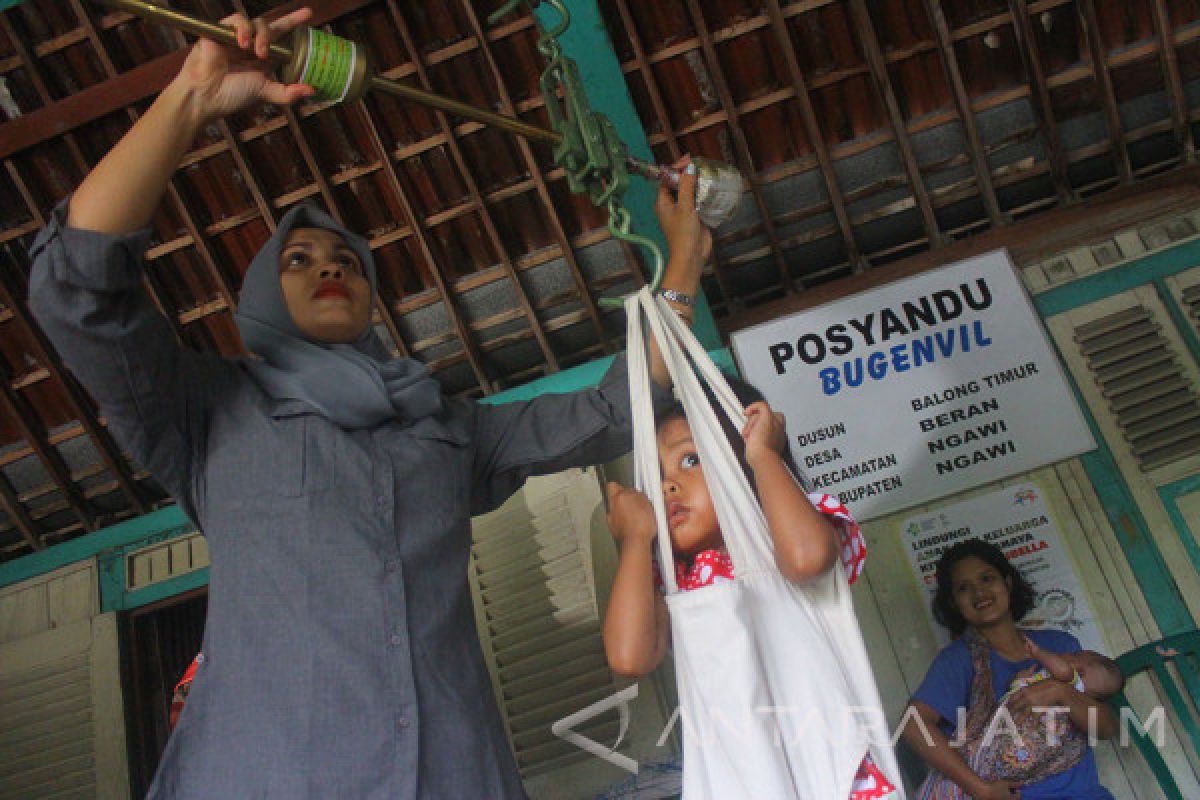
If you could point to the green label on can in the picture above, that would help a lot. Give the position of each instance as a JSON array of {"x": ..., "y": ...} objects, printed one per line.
[{"x": 329, "y": 65}]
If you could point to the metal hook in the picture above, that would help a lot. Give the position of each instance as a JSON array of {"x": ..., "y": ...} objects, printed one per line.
[
  {"x": 618, "y": 226},
  {"x": 561, "y": 8}
]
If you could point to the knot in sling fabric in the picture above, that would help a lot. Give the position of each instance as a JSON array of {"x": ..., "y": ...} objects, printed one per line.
[
  {"x": 776, "y": 694},
  {"x": 1041, "y": 747},
  {"x": 356, "y": 385}
]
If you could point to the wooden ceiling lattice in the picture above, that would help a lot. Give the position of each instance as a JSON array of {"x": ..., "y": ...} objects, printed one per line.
[
  {"x": 874, "y": 130},
  {"x": 870, "y": 130}
]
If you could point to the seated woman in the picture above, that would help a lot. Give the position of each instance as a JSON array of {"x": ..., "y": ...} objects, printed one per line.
[{"x": 980, "y": 597}]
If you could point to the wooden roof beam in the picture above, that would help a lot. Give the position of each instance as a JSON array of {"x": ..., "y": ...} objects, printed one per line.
[
  {"x": 642, "y": 63},
  {"x": 110, "y": 453},
  {"x": 745, "y": 160},
  {"x": 539, "y": 180},
  {"x": 34, "y": 434},
  {"x": 20, "y": 517},
  {"x": 265, "y": 207},
  {"x": 477, "y": 201},
  {"x": 1043, "y": 107},
  {"x": 173, "y": 194},
  {"x": 1027, "y": 241},
  {"x": 76, "y": 153},
  {"x": 470, "y": 347},
  {"x": 1100, "y": 69},
  {"x": 57, "y": 118},
  {"x": 816, "y": 137},
  {"x": 873, "y": 52},
  {"x": 962, "y": 103},
  {"x": 105, "y": 446},
  {"x": 1173, "y": 81}
]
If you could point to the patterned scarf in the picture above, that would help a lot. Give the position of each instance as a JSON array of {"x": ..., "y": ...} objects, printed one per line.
[
  {"x": 356, "y": 385},
  {"x": 1035, "y": 754}
]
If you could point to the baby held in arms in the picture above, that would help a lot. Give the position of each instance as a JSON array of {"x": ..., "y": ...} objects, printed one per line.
[
  {"x": 1031, "y": 738},
  {"x": 1088, "y": 671}
]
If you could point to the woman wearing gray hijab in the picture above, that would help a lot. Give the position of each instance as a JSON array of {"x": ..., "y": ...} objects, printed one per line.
[{"x": 334, "y": 483}]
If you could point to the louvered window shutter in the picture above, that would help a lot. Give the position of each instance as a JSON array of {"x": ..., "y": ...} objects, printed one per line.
[
  {"x": 539, "y": 623},
  {"x": 47, "y": 742},
  {"x": 61, "y": 720},
  {"x": 1191, "y": 299},
  {"x": 1142, "y": 381}
]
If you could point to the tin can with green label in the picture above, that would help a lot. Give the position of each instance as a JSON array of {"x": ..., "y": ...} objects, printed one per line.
[{"x": 337, "y": 68}]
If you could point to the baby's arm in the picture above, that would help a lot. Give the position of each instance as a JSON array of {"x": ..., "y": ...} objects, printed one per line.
[
  {"x": 805, "y": 540},
  {"x": 636, "y": 625}
]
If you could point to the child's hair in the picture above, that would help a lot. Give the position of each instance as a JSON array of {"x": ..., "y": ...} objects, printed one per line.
[
  {"x": 945, "y": 611},
  {"x": 746, "y": 394}
]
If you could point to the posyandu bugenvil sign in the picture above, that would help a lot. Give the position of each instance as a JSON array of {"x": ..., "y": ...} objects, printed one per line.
[{"x": 917, "y": 389}]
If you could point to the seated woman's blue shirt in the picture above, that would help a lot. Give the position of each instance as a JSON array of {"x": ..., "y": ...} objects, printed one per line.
[{"x": 947, "y": 687}]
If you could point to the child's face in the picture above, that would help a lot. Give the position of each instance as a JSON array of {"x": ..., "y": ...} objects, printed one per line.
[
  {"x": 324, "y": 286},
  {"x": 690, "y": 513}
]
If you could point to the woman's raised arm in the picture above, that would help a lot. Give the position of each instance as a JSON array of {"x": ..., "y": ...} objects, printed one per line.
[{"x": 122, "y": 192}]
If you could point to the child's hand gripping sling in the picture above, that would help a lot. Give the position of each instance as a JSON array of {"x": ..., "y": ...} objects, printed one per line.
[{"x": 776, "y": 694}]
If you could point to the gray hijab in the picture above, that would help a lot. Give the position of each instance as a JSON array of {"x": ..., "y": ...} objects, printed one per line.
[{"x": 356, "y": 385}]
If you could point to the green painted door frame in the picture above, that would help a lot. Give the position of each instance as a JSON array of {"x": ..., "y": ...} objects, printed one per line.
[
  {"x": 1170, "y": 495},
  {"x": 109, "y": 547},
  {"x": 1132, "y": 530},
  {"x": 1162, "y": 593}
]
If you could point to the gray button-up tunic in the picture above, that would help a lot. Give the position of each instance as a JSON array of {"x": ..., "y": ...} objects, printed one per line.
[{"x": 341, "y": 655}]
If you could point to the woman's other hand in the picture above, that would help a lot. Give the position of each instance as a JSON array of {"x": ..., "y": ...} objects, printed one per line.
[
  {"x": 689, "y": 241},
  {"x": 689, "y": 244},
  {"x": 630, "y": 515},
  {"x": 1049, "y": 693},
  {"x": 222, "y": 79}
]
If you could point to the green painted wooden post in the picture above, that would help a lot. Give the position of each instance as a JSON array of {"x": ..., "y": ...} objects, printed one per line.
[
  {"x": 586, "y": 41},
  {"x": 1133, "y": 534}
]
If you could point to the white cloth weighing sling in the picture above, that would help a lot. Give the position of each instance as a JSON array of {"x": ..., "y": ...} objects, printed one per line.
[{"x": 776, "y": 695}]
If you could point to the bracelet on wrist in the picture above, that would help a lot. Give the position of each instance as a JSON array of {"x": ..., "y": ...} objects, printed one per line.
[{"x": 676, "y": 297}]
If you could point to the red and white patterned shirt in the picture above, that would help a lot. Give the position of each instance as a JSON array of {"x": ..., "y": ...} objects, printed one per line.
[{"x": 712, "y": 566}]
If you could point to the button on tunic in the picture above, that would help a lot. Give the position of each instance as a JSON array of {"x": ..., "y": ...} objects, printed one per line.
[{"x": 341, "y": 655}]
